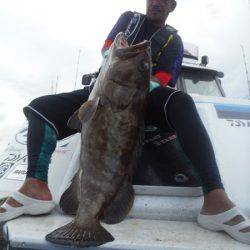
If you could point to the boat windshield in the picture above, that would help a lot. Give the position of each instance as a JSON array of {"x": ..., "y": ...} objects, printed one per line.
[{"x": 201, "y": 83}]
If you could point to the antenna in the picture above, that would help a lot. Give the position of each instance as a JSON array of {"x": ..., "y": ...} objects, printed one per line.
[
  {"x": 52, "y": 87},
  {"x": 77, "y": 67},
  {"x": 56, "y": 88},
  {"x": 245, "y": 62}
]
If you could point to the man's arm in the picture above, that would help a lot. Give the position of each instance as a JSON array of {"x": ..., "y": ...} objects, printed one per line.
[
  {"x": 120, "y": 26},
  {"x": 169, "y": 64}
]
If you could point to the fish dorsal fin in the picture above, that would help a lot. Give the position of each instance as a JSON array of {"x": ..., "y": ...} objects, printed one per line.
[
  {"x": 83, "y": 114},
  {"x": 69, "y": 201}
]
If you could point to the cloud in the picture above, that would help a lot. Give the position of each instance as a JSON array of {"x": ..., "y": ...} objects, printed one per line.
[
  {"x": 219, "y": 27},
  {"x": 40, "y": 40},
  {"x": 11, "y": 115}
]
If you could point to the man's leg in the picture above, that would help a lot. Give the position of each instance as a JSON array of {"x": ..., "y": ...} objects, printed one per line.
[
  {"x": 185, "y": 120},
  {"x": 47, "y": 117},
  {"x": 176, "y": 111}
]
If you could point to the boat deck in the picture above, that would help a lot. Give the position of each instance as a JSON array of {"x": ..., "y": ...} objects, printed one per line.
[{"x": 131, "y": 234}]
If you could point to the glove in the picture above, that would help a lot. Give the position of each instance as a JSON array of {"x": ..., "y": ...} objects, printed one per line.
[
  {"x": 105, "y": 54},
  {"x": 153, "y": 85}
]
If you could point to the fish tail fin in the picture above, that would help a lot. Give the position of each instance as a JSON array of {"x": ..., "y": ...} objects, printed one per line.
[
  {"x": 69, "y": 201},
  {"x": 73, "y": 234},
  {"x": 120, "y": 206}
]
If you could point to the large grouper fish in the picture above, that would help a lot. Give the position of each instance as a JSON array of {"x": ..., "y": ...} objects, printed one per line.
[{"x": 112, "y": 127}]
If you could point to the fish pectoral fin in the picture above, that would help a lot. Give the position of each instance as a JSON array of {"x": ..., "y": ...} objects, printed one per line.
[
  {"x": 88, "y": 110},
  {"x": 120, "y": 206},
  {"x": 74, "y": 122},
  {"x": 75, "y": 234},
  {"x": 83, "y": 114}
]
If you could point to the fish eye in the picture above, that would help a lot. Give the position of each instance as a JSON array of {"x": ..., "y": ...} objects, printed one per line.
[{"x": 143, "y": 66}]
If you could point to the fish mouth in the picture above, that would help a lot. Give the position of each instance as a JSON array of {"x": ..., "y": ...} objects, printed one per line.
[
  {"x": 121, "y": 41},
  {"x": 125, "y": 51}
]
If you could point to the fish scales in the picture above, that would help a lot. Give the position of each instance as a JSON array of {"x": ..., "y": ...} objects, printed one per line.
[{"x": 111, "y": 124}]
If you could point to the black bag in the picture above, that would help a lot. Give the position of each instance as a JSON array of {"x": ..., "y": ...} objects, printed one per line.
[{"x": 163, "y": 163}]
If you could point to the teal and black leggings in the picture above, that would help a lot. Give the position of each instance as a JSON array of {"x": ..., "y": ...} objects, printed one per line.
[
  {"x": 41, "y": 143},
  {"x": 168, "y": 109}
]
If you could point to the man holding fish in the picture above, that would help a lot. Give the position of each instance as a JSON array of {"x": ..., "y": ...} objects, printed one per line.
[{"x": 167, "y": 108}]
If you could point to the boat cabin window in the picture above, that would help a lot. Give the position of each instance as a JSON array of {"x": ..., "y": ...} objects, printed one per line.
[{"x": 201, "y": 82}]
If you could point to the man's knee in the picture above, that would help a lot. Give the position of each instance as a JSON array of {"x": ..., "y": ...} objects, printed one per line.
[
  {"x": 38, "y": 102},
  {"x": 181, "y": 101},
  {"x": 36, "y": 106}
]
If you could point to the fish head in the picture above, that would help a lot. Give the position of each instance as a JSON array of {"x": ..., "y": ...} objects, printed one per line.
[
  {"x": 130, "y": 66},
  {"x": 126, "y": 74}
]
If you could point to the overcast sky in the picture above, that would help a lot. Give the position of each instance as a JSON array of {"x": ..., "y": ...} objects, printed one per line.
[{"x": 40, "y": 41}]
